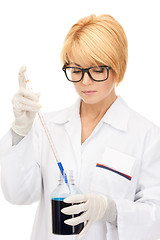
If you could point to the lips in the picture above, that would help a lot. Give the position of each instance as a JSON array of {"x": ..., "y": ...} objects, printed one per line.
[{"x": 88, "y": 92}]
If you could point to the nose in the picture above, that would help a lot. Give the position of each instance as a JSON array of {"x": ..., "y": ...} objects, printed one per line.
[{"x": 86, "y": 80}]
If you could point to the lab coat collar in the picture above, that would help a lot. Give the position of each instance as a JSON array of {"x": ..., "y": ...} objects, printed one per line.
[{"x": 117, "y": 115}]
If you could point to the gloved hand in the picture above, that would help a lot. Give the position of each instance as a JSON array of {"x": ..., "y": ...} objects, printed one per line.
[
  {"x": 93, "y": 206},
  {"x": 25, "y": 105}
]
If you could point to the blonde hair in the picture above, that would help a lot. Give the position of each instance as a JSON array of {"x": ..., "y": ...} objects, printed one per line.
[{"x": 97, "y": 40}]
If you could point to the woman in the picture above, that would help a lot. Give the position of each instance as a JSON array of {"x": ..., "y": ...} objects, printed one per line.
[{"x": 113, "y": 151}]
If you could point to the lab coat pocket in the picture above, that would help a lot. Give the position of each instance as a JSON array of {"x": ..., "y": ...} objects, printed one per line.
[{"x": 113, "y": 173}]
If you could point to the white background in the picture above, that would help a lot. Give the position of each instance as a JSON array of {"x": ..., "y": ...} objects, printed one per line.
[{"x": 32, "y": 33}]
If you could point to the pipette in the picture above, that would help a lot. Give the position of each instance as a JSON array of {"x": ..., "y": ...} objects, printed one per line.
[{"x": 44, "y": 125}]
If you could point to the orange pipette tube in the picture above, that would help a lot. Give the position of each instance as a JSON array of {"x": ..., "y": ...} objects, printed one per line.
[{"x": 44, "y": 125}]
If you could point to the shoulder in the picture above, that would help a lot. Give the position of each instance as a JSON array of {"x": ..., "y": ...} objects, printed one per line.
[
  {"x": 124, "y": 118},
  {"x": 62, "y": 116},
  {"x": 140, "y": 125}
]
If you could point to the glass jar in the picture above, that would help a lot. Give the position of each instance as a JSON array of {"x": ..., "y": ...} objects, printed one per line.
[{"x": 58, "y": 195}]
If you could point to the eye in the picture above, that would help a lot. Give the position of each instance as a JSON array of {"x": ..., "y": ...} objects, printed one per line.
[
  {"x": 75, "y": 70},
  {"x": 99, "y": 69}
]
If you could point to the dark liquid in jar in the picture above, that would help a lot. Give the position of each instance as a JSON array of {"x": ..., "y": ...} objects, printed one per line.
[{"x": 58, "y": 218}]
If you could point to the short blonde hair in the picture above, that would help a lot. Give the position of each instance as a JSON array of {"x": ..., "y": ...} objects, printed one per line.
[{"x": 97, "y": 40}]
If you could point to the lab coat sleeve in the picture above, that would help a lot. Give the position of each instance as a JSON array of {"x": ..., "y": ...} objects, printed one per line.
[
  {"x": 140, "y": 219},
  {"x": 20, "y": 168}
]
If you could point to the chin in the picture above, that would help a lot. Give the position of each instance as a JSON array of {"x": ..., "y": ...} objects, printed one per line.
[{"x": 91, "y": 100}]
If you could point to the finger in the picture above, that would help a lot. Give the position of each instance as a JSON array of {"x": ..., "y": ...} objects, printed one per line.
[
  {"x": 85, "y": 230},
  {"x": 29, "y": 94},
  {"x": 22, "y": 69},
  {"x": 75, "y": 209},
  {"x": 26, "y": 106},
  {"x": 38, "y": 95},
  {"x": 77, "y": 220},
  {"x": 76, "y": 198},
  {"x": 22, "y": 107},
  {"x": 21, "y": 77},
  {"x": 24, "y": 100}
]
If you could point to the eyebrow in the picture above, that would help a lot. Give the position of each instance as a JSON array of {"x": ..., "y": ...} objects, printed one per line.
[{"x": 76, "y": 64}]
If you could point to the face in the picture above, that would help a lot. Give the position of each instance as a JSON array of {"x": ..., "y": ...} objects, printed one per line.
[{"x": 92, "y": 92}]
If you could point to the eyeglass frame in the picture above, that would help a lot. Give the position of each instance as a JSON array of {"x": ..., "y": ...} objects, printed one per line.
[{"x": 87, "y": 71}]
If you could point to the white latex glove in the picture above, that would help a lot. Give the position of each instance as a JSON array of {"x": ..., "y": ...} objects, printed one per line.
[
  {"x": 94, "y": 207},
  {"x": 25, "y": 105}
]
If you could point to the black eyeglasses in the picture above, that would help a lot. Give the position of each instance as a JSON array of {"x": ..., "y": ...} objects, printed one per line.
[{"x": 76, "y": 74}]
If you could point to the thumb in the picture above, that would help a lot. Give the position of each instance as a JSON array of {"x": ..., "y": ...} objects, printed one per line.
[
  {"x": 37, "y": 94},
  {"x": 21, "y": 77},
  {"x": 85, "y": 230}
]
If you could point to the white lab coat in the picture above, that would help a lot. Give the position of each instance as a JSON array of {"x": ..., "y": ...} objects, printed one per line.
[{"x": 121, "y": 159}]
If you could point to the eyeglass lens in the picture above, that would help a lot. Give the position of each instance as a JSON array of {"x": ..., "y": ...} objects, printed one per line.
[{"x": 97, "y": 73}]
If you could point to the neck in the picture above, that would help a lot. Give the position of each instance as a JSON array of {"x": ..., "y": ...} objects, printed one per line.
[{"x": 97, "y": 110}]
